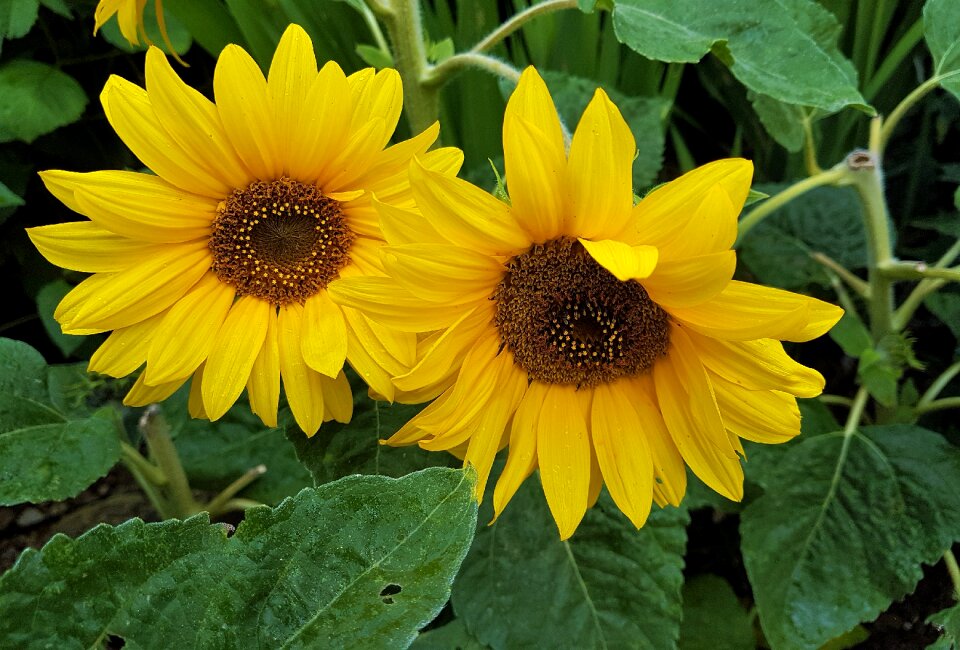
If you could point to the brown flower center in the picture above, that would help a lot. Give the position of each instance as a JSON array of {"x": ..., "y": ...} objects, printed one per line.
[
  {"x": 568, "y": 320},
  {"x": 282, "y": 241}
]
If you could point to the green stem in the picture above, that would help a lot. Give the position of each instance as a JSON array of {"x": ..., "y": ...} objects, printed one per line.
[
  {"x": 954, "y": 572},
  {"x": 913, "y": 301},
  {"x": 671, "y": 82},
  {"x": 402, "y": 20},
  {"x": 437, "y": 75},
  {"x": 859, "y": 286},
  {"x": 218, "y": 504},
  {"x": 809, "y": 147},
  {"x": 908, "y": 102},
  {"x": 919, "y": 271},
  {"x": 519, "y": 20},
  {"x": 834, "y": 176},
  {"x": 938, "y": 405},
  {"x": 156, "y": 432},
  {"x": 939, "y": 384},
  {"x": 156, "y": 499},
  {"x": 150, "y": 471},
  {"x": 835, "y": 400},
  {"x": 867, "y": 179},
  {"x": 856, "y": 412}
]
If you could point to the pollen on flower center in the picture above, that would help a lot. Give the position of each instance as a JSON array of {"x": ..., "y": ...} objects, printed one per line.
[
  {"x": 282, "y": 241},
  {"x": 568, "y": 320}
]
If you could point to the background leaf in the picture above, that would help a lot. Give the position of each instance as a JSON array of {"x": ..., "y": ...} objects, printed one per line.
[
  {"x": 35, "y": 99},
  {"x": 363, "y": 562},
  {"x": 610, "y": 585},
  {"x": 762, "y": 42},
  {"x": 844, "y": 526},
  {"x": 45, "y": 455},
  {"x": 713, "y": 617},
  {"x": 16, "y": 18},
  {"x": 941, "y": 29}
]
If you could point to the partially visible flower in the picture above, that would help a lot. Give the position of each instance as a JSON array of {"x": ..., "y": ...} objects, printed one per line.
[
  {"x": 217, "y": 267},
  {"x": 602, "y": 342},
  {"x": 130, "y": 18}
]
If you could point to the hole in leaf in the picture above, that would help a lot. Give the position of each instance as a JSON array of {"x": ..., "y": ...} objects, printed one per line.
[{"x": 387, "y": 593}]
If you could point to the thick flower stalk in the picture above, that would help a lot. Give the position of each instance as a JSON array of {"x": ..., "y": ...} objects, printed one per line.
[
  {"x": 217, "y": 266},
  {"x": 602, "y": 341}
]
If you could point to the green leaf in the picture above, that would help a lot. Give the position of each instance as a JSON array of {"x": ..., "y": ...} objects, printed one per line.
[
  {"x": 339, "y": 450},
  {"x": 785, "y": 49},
  {"x": 948, "y": 620},
  {"x": 851, "y": 335},
  {"x": 826, "y": 220},
  {"x": 441, "y": 50},
  {"x": 8, "y": 199},
  {"x": 610, "y": 585},
  {"x": 35, "y": 99},
  {"x": 941, "y": 29},
  {"x": 755, "y": 196},
  {"x": 261, "y": 25},
  {"x": 644, "y": 115},
  {"x": 452, "y": 635},
  {"x": 44, "y": 455},
  {"x": 713, "y": 617},
  {"x": 47, "y": 300},
  {"x": 844, "y": 526},
  {"x": 374, "y": 56},
  {"x": 208, "y": 21},
  {"x": 17, "y": 18},
  {"x": 784, "y": 122},
  {"x": 363, "y": 562},
  {"x": 945, "y": 305},
  {"x": 58, "y": 7}
]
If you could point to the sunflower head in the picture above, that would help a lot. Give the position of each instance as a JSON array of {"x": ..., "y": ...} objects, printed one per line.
[
  {"x": 602, "y": 342},
  {"x": 218, "y": 265}
]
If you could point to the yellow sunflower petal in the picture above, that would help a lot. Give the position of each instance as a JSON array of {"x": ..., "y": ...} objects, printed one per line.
[
  {"x": 76, "y": 299},
  {"x": 139, "y": 292},
  {"x": 322, "y": 128},
  {"x": 143, "y": 395},
  {"x": 139, "y": 206},
  {"x": 130, "y": 20},
  {"x": 443, "y": 273},
  {"x": 263, "y": 386},
  {"x": 745, "y": 311},
  {"x": 622, "y": 451},
  {"x": 303, "y": 386},
  {"x": 390, "y": 303},
  {"x": 395, "y": 352},
  {"x": 711, "y": 228},
  {"x": 563, "y": 452},
  {"x": 86, "y": 247},
  {"x": 522, "y": 457},
  {"x": 246, "y": 112},
  {"x": 465, "y": 214},
  {"x": 600, "y": 171},
  {"x": 292, "y": 72},
  {"x": 535, "y": 166},
  {"x": 531, "y": 102},
  {"x": 446, "y": 351},
  {"x": 402, "y": 226},
  {"x": 105, "y": 11},
  {"x": 132, "y": 116},
  {"x": 663, "y": 215},
  {"x": 360, "y": 150},
  {"x": 337, "y": 398},
  {"x": 766, "y": 416},
  {"x": 758, "y": 365},
  {"x": 624, "y": 261},
  {"x": 125, "y": 349},
  {"x": 377, "y": 96},
  {"x": 690, "y": 411},
  {"x": 670, "y": 472},
  {"x": 324, "y": 343},
  {"x": 193, "y": 122},
  {"x": 195, "y": 400},
  {"x": 187, "y": 333},
  {"x": 237, "y": 346},
  {"x": 691, "y": 281},
  {"x": 395, "y": 160},
  {"x": 485, "y": 438}
]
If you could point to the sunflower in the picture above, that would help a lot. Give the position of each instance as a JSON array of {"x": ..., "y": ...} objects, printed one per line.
[
  {"x": 217, "y": 267},
  {"x": 602, "y": 341},
  {"x": 129, "y": 15}
]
